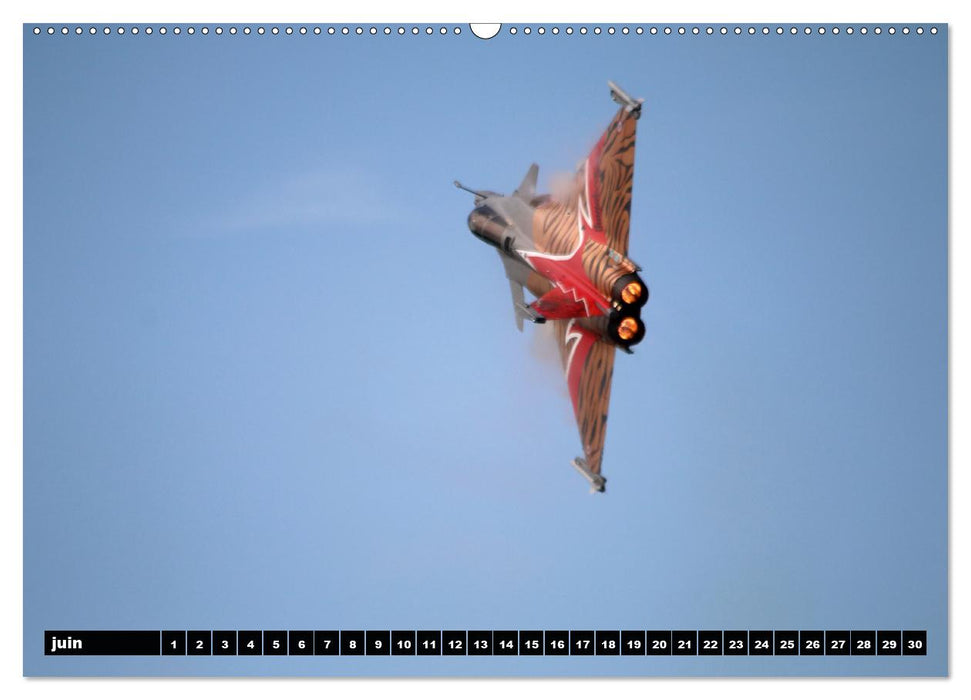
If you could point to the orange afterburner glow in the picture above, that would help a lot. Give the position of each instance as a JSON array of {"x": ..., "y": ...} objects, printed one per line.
[
  {"x": 631, "y": 293},
  {"x": 627, "y": 328}
]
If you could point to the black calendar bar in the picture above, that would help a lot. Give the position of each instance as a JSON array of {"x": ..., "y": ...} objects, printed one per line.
[
  {"x": 102, "y": 643},
  {"x": 641, "y": 643}
]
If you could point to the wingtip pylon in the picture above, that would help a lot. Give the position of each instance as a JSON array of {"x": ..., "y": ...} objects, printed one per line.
[
  {"x": 624, "y": 100},
  {"x": 527, "y": 188},
  {"x": 598, "y": 483}
]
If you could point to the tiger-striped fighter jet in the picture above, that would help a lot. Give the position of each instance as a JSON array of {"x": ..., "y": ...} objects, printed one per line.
[{"x": 569, "y": 249}]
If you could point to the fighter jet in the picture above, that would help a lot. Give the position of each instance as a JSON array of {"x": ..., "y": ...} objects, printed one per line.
[{"x": 569, "y": 250}]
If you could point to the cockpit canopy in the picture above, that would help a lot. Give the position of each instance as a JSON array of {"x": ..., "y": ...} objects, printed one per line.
[{"x": 488, "y": 225}]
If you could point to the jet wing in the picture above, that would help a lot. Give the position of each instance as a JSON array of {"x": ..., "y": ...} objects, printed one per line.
[
  {"x": 607, "y": 178},
  {"x": 588, "y": 364}
]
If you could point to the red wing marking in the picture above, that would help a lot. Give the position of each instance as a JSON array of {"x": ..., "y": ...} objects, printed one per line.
[
  {"x": 567, "y": 273},
  {"x": 558, "y": 304},
  {"x": 589, "y": 366}
]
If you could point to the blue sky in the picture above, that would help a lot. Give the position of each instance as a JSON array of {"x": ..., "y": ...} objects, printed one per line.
[{"x": 270, "y": 380}]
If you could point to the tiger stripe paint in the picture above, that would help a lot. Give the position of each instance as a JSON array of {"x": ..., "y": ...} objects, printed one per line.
[
  {"x": 602, "y": 215},
  {"x": 601, "y": 220},
  {"x": 588, "y": 363},
  {"x": 569, "y": 249},
  {"x": 613, "y": 178},
  {"x": 555, "y": 228}
]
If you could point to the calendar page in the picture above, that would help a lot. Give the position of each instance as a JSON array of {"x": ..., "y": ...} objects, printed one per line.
[{"x": 514, "y": 350}]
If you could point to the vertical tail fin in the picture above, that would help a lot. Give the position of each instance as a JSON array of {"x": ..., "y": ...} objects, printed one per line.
[{"x": 527, "y": 188}]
